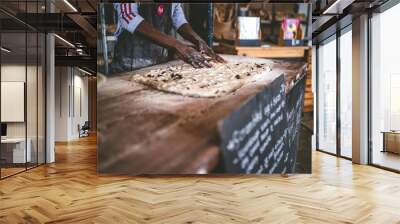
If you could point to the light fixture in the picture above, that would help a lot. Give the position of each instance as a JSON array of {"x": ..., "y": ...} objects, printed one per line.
[
  {"x": 64, "y": 40},
  {"x": 80, "y": 51},
  {"x": 329, "y": 9},
  {"x": 5, "y": 50},
  {"x": 70, "y": 5},
  {"x": 84, "y": 71},
  {"x": 338, "y": 6}
]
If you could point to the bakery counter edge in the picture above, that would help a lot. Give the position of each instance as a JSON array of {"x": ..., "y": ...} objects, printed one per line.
[{"x": 146, "y": 131}]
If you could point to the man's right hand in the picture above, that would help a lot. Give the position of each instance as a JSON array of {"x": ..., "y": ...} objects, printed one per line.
[{"x": 192, "y": 56}]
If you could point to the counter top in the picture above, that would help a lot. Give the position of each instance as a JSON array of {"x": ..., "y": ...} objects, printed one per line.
[{"x": 145, "y": 131}]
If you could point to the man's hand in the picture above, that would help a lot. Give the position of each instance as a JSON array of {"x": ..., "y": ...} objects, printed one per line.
[
  {"x": 203, "y": 47},
  {"x": 191, "y": 56},
  {"x": 187, "y": 32},
  {"x": 185, "y": 52}
]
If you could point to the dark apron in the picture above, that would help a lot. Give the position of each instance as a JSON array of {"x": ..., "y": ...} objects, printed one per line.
[{"x": 134, "y": 51}]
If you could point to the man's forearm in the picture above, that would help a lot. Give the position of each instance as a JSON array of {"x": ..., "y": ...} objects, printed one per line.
[
  {"x": 188, "y": 33},
  {"x": 155, "y": 35},
  {"x": 184, "y": 51}
]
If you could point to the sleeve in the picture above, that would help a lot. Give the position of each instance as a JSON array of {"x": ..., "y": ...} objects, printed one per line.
[
  {"x": 178, "y": 16},
  {"x": 128, "y": 16}
]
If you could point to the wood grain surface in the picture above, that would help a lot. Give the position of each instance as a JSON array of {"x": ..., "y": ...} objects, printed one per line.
[
  {"x": 265, "y": 52},
  {"x": 71, "y": 191},
  {"x": 145, "y": 131}
]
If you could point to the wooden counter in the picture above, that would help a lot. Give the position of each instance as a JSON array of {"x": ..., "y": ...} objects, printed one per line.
[
  {"x": 145, "y": 131},
  {"x": 391, "y": 141},
  {"x": 276, "y": 52}
]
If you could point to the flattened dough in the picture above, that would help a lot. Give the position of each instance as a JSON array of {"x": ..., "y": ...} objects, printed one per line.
[{"x": 217, "y": 81}]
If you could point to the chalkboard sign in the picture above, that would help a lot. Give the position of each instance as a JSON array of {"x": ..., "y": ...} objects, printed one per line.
[
  {"x": 294, "y": 108},
  {"x": 253, "y": 138},
  {"x": 262, "y": 135}
]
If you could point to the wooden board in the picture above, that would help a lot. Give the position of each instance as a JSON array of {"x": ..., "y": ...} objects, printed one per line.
[
  {"x": 263, "y": 52},
  {"x": 145, "y": 131}
]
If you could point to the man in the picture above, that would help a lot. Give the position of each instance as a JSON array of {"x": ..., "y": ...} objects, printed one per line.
[{"x": 143, "y": 37}]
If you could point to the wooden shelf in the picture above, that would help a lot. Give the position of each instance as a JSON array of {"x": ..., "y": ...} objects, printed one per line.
[{"x": 264, "y": 52}]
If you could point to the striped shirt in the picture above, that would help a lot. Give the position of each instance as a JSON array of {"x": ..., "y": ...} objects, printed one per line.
[{"x": 129, "y": 17}]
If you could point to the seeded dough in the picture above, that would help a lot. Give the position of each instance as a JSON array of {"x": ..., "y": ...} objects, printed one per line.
[{"x": 216, "y": 81}]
